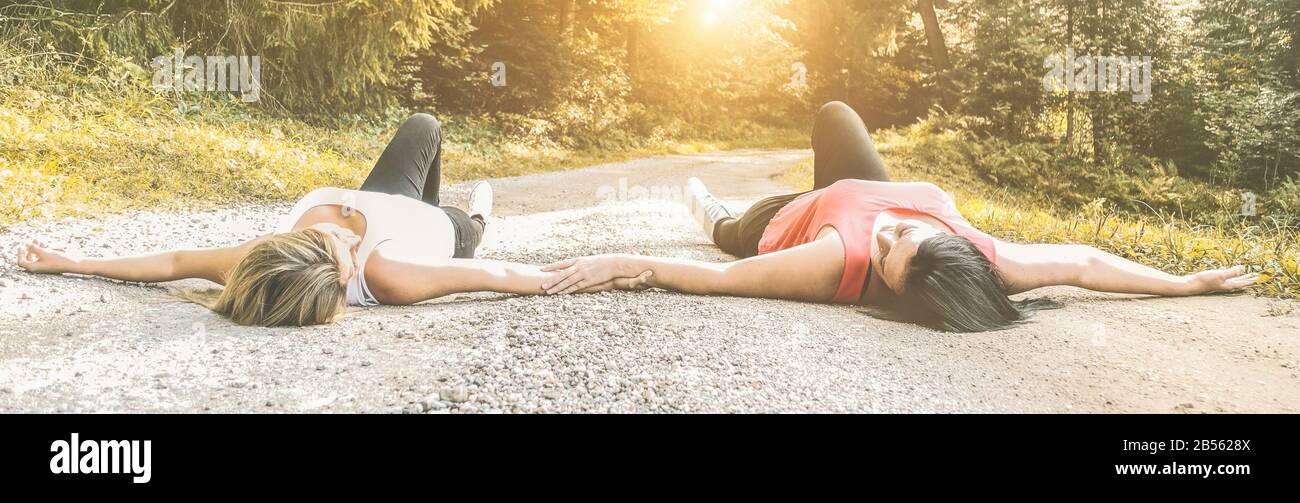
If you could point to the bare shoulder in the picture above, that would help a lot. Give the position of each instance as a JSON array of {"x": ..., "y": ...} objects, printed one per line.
[
  {"x": 379, "y": 271},
  {"x": 394, "y": 279},
  {"x": 826, "y": 252}
]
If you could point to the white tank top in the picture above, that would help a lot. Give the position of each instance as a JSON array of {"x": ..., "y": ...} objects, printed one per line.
[{"x": 411, "y": 228}]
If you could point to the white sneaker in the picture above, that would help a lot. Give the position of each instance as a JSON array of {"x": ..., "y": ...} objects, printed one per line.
[
  {"x": 480, "y": 200},
  {"x": 706, "y": 209}
]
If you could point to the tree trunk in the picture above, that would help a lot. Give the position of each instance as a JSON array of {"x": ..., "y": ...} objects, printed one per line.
[
  {"x": 633, "y": 30},
  {"x": 1098, "y": 104},
  {"x": 847, "y": 94},
  {"x": 1069, "y": 90},
  {"x": 564, "y": 27},
  {"x": 933, "y": 34},
  {"x": 583, "y": 12},
  {"x": 938, "y": 51}
]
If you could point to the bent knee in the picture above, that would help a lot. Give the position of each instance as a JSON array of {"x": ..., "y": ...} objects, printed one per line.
[
  {"x": 833, "y": 107},
  {"x": 423, "y": 120},
  {"x": 836, "y": 115},
  {"x": 836, "y": 110}
]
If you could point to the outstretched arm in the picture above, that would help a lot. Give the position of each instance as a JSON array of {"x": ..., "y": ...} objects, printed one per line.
[
  {"x": 211, "y": 264},
  {"x": 809, "y": 272},
  {"x": 1025, "y": 267},
  {"x": 399, "y": 282}
]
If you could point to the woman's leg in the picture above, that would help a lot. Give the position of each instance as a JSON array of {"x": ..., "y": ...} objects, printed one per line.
[
  {"x": 842, "y": 148},
  {"x": 411, "y": 164},
  {"x": 469, "y": 231}
]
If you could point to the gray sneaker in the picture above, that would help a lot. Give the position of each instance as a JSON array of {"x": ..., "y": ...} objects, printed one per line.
[
  {"x": 480, "y": 200},
  {"x": 706, "y": 209}
]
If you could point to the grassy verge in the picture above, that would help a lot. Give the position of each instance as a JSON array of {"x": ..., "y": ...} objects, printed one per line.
[
  {"x": 1163, "y": 241},
  {"x": 76, "y": 155},
  {"x": 76, "y": 141}
]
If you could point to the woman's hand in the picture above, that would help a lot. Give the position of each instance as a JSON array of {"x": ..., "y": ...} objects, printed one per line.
[
  {"x": 1220, "y": 280},
  {"x": 39, "y": 257},
  {"x": 594, "y": 273},
  {"x": 640, "y": 282}
]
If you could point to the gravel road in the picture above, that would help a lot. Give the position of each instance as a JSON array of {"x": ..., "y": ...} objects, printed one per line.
[{"x": 87, "y": 345}]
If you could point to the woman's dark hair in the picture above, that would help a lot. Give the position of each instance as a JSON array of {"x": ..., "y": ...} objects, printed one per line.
[{"x": 951, "y": 286}]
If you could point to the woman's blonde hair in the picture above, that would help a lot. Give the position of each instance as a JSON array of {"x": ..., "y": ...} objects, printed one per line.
[{"x": 288, "y": 279}]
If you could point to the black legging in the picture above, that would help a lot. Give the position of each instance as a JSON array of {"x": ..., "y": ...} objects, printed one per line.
[
  {"x": 411, "y": 166},
  {"x": 842, "y": 149}
]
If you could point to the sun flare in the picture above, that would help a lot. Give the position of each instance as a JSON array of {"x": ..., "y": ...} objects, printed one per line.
[{"x": 717, "y": 10}]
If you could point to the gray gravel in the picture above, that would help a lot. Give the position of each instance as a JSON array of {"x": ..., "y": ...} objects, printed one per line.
[{"x": 78, "y": 344}]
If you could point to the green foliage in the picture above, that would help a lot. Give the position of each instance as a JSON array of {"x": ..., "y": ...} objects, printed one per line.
[
  {"x": 1255, "y": 131},
  {"x": 1224, "y": 82},
  {"x": 1004, "y": 70},
  {"x": 325, "y": 56},
  {"x": 1251, "y": 89},
  {"x": 1128, "y": 181},
  {"x": 568, "y": 84},
  {"x": 87, "y": 31},
  {"x": 74, "y": 143},
  {"x": 864, "y": 53},
  {"x": 585, "y": 70}
]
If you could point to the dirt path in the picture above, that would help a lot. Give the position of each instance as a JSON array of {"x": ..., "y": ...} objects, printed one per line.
[{"x": 73, "y": 344}]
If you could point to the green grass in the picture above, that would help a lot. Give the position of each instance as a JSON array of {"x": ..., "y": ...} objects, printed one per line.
[
  {"x": 78, "y": 141},
  {"x": 1163, "y": 241}
]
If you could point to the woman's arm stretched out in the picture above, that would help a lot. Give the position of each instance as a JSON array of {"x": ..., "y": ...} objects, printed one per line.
[
  {"x": 809, "y": 272},
  {"x": 401, "y": 283},
  {"x": 1025, "y": 267},
  {"x": 395, "y": 282},
  {"x": 211, "y": 264},
  {"x": 398, "y": 282}
]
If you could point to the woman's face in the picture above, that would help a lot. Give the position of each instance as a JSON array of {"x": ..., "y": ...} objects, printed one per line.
[
  {"x": 346, "y": 244},
  {"x": 896, "y": 244}
]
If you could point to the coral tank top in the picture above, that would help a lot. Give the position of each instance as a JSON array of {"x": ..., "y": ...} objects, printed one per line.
[{"x": 851, "y": 208}]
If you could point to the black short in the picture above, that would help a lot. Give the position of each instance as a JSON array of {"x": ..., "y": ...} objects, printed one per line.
[{"x": 740, "y": 236}]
